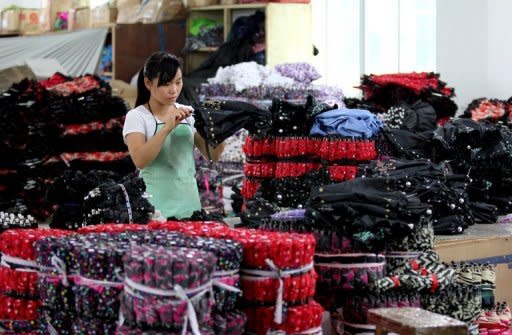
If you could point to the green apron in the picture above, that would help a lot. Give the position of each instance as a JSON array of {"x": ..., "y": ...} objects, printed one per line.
[{"x": 171, "y": 178}]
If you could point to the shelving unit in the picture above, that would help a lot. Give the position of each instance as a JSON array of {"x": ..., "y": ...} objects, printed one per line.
[{"x": 288, "y": 30}]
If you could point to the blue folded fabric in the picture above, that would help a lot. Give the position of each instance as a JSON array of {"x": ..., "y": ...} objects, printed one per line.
[{"x": 347, "y": 123}]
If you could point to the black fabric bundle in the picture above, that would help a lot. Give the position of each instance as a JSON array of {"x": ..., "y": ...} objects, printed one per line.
[
  {"x": 68, "y": 191},
  {"x": 484, "y": 152},
  {"x": 218, "y": 120},
  {"x": 293, "y": 192},
  {"x": 121, "y": 202},
  {"x": 434, "y": 184},
  {"x": 373, "y": 215}
]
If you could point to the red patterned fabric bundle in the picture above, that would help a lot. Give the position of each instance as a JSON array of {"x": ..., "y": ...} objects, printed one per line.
[{"x": 19, "y": 295}]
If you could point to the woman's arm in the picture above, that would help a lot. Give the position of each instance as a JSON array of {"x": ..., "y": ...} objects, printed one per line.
[
  {"x": 142, "y": 152},
  {"x": 201, "y": 145}
]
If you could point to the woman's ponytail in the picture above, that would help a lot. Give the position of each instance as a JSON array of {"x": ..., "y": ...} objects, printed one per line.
[{"x": 143, "y": 93}]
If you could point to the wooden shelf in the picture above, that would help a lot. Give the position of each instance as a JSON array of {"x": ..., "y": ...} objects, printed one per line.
[{"x": 234, "y": 7}]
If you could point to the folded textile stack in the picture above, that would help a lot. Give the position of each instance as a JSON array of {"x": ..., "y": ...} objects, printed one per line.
[
  {"x": 482, "y": 151},
  {"x": 54, "y": 125},
  {"x": 284, "y": 166},
  {"x": 83, "y": 275},
  {"x": 19, "y": 293},
  {"x": 67, "y": 193},
  {"x": 278, "y": 279},
  {"x": 118, "y": 202}
]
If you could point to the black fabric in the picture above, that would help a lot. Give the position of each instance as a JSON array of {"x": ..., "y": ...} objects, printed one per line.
[{"x": 218, "y": 120}]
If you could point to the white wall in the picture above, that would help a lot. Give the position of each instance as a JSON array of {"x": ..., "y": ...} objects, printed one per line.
[
  {"x": 462, "y": 57},
  {"x": 21, "y": 3},
  {"x": 474, "y": 48},
  {"x": 499, "y": 67}
]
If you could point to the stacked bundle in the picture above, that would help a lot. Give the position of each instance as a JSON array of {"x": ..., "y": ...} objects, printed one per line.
[
  {"x": 434, "y": 184},
  {"x": 83, "y": 276},
  {"x": 381, "y": 92},
  {"x": 19, "y": 294},
  {"x": 277, "y": 279},
  {"x": 68, "y": 192},
  {"x": 285, "y": 164},
  {"x": 59, "y": 123},
  {"x": 354, "y": 222},
  {"x": 482, "y": 151},
  {"x": 167, "y": 288},
  {"x": 120, "y": 202}
]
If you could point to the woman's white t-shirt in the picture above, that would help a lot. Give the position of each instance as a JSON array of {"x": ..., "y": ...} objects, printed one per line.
[{"x": 141, "y": 120}]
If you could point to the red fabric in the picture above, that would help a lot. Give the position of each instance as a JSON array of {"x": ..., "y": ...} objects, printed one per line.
[
  {"x": 18, "y": 309},
  {"x": 56, "y": 79},
  {"x": 298, "y": 319},
  {"x": 76, "y": 85},
  {"x": 76, "y": 129},
  {"x": 104, "y": 156},
  {"x": 323, "y": 148},
  {"x": 20, "y": 242},
  {"x": 249, "y": 188},
  {"x": 417, "y": 82},
  {"x": 111, "y": 228},
  {"x": 296, "y": 288}
]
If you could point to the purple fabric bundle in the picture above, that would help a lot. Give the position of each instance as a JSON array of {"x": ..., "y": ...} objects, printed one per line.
[
  {"x": 161, "y": 284},
  {"x": 303, "y": 73},
  {"x": 229, "y": 323}
]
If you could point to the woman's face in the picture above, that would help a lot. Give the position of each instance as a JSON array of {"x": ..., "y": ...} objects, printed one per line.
[{"x": 165, "y": 94}]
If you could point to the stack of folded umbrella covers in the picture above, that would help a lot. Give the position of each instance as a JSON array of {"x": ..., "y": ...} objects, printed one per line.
[{"x": 53, "y": 125}]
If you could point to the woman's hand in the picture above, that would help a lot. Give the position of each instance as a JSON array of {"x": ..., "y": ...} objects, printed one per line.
[{"x": 175, "y": 116}]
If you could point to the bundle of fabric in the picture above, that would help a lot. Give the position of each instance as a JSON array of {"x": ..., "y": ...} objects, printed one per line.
[
  {"x": 121, "y": 202},
  {"x": 271, "y": 260},
  {"x": 331, "y": 149},
  {"x": 19, "y": 293},
  {"x": 112, "y": 228},
  {"x": 167, "y": 282},
  {"x": 100, "y": 135},
  {"x": 67, "y": 194},
  {"x": 10, "y": 220},
  {"x": 351, "y": 123},
  {"x": 494, "y": 110},
  {"x": 301, "y": 319},
  {"x": 434, "y": 184},
  {"x": 368, "y": 212},
  {"x": 208, "y": 36},
  {"x": 91, "y": 267},
  {"x": 482, "y": 151},
  {"x": 87, "y": 161},
  {"x": 65, "y": 86},
  {"x": 94, "y": 105},
  {"x": 303, "y": 73},
  {"x": 218, "y": 120},
  {"x": 263, "y": 95},
  {"x": 387, "y": 90},
  {"x": 209, "y": 178}
]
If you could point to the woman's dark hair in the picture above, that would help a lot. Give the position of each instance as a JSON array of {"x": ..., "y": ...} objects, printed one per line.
[{"x": 161, "y": 65}]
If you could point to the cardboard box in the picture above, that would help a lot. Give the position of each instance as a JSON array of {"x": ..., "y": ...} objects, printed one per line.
[
  {"x": 29, "y": 21},
  {"x": 50, "y": 12},
  {"x": 79, "y": 18},
  {"x": 102, "y": 16},
  {"x": 127, "y": 11},
  {"x": 155, "y": 11},
  {"x": 495, "y": 249},
  {"x": 11, "y": 20}
]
